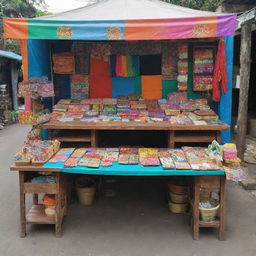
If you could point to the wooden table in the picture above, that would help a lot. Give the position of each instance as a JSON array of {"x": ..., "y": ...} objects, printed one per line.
[
  {"x": 88, "y": 131},
  {"x": 36, "y": 214}
]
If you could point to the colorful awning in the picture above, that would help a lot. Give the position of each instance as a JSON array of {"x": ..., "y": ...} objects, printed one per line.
[{"x": 124, "y": 20}]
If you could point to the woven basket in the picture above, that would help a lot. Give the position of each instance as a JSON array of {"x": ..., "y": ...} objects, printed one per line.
[
  {"x": 209, "y": 214},
  {"x": 86, "y": 194},
  {"x": 179, "y": 199},
  {"x": 177, "y": 208}
]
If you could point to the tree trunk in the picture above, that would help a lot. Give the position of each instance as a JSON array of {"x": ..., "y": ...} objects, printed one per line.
[{"x": 245, "y": 66}]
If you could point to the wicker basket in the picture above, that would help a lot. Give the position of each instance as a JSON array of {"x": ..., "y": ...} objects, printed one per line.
[
  {"x": 209, "y": 214},
  {"x": 179, "y": 199},
  {"x": 177, "y": 208},
  {"x": 86, "y": 189}
]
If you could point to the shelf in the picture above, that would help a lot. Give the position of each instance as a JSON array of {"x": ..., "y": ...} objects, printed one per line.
[
  {"x": 209, "y": 224},
  {"x": 73, "y": 136},
  {"x": 40, "y": 188},
  {"x": 36, "y": 215},
  {"x": 195, "y": 136}
]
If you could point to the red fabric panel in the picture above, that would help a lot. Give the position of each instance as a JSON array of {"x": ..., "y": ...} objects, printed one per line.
[
  {"x": 100, "y": 86},
  {"x": 99, "y": 67}
]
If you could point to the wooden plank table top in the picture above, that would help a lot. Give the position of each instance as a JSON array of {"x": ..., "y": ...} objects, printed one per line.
[
  {"x": 32, "y": 168},
  {"x": 131, "y": 126}
]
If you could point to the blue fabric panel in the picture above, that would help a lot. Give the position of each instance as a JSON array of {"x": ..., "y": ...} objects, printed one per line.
[
  {"x": 225, "y": 105},
  {"x": 39, "y": 63},
  {"x": 122, "y": 86},
  {"x": 130, "y": 170}
]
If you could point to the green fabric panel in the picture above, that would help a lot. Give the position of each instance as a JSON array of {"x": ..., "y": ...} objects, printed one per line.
[
  {"x": 43, "y": 29},
  {"x": 169, "y": 86},
  {"x": 191, "y": 93},
  {"x": 137, "y": 85}
]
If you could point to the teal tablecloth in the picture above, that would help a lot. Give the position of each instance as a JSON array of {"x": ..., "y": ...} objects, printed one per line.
[{"x": 131, "y": 170}]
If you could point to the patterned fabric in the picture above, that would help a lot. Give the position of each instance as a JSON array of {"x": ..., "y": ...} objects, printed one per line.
[
  {"x": 149, "y": 47},
  {"x": 101, "y": 51},
  {"x": 169, "y": 61},
  {"x": 124, "y": 48},
  {"x": 79, "y": 87},
  {"x": 63, "y": 63}
]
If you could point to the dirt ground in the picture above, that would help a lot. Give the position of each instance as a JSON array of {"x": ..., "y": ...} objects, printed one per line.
[{"x": 134, "y": 223}]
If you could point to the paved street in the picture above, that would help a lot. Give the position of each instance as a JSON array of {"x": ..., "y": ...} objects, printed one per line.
[{"x": 134, "y": 223}]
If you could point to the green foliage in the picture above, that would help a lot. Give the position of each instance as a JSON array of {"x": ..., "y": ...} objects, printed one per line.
[
  {"x": 19, "y": 9},
  {"x": 207, "y": 5}
]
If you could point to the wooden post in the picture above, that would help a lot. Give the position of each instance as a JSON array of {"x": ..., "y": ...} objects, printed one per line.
[{"x": 245, "y": 64}]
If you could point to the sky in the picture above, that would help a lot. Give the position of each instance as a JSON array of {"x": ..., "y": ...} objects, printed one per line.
[{"x": 54, "y": 6}]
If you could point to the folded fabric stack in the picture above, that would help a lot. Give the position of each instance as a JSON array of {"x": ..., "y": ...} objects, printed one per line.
[
  {"x": 149, "y": 157},
  {"x": 36, "y": 152},
  {"x": 79, "y": 87}
]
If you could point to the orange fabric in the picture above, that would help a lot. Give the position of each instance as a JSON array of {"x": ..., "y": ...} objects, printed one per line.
[
  {"x": 151, "y": 87},
  {"x": 24, "y": 54},
  {"x": 100, "y": 86},
  {"x": 15, "y": 28},
  {"x": 220, "y": 72},
  {"x": 99, "y": 67}
]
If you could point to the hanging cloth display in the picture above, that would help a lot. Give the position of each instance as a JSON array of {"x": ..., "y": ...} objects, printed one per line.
[{"x": 220, "y": 72}]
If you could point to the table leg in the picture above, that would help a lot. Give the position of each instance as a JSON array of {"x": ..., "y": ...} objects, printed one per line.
[
  {"x": 35, "y": 199},
  {"x": 222, "y": 208},
  {"x": 196, "y": 209},
  {"x": 94, "y": 138},
  {"x": 22, "y": 205},
  {"x": 170, "y": 141},
  {"x": 58, "y": 217},
  {"x": 218, "y": 136}
]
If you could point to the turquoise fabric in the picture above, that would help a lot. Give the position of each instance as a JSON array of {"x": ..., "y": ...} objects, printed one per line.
[{"x": 130, "y": 170}]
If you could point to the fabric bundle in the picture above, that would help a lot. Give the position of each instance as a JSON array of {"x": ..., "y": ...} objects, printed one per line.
[
  {"x": 220, "y": 72},
  {"x": 64, "y": 63},
  {"x": 183, "y": 67},
  {"x": 79, "y": 87},
  {"x": 126, "y": 66},
  {"x": 202, "y": 83}
]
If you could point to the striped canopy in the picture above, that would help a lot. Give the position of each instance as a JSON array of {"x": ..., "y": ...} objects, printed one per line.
[{"x": 124, "y": 20}]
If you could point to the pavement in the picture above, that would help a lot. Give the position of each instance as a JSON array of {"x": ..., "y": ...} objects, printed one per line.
[{"x": 134, "y": 223}]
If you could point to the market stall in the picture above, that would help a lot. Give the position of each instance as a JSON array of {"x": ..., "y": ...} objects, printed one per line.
[{"x": 150, "y": 66}]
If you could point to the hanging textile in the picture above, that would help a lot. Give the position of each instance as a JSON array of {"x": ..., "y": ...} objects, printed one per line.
[
  {"x": 79, "y": 87},
  {"x": 220, "y": 72},
  {"x": 151, "y": 87},
  {"x": 124, "y": 48},
  {"x": 126, "y": 66},
  {"x": 63, "y": 63},
  {"x": 123, "y": 86},
  {"x": 149, "y": 47},
  {"x": 100, "y": 86},
  {"x": 99, "y": 67},
  {"x": 150, "y": 65},
  {"x": 169, "y": 61},
  {"x": 101, "y": 51},
  {"x": 81, "y": 51}
]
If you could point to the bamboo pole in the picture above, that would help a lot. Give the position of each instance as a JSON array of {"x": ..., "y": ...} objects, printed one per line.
[{"x": 245, "y": 66}]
